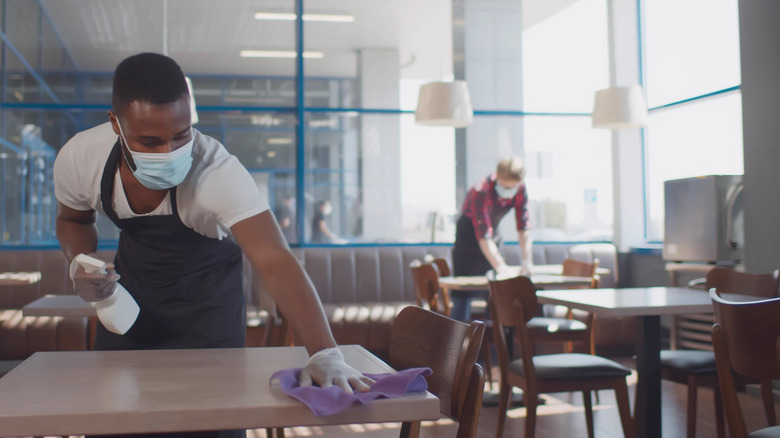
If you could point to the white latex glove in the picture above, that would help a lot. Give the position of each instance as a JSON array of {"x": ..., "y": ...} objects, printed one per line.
[
  {"x": 505, "y": 271},
  {"x": 96, "y": 286},
  {"x": 327, "y": 367},
  {"x": 526, "y": 268}
]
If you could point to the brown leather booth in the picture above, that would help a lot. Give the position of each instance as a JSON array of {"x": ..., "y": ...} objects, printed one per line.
[{"x": 362, "y": 289}]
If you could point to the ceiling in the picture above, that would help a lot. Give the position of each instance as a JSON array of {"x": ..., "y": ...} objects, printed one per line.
[{"x": 205, "y": 36}]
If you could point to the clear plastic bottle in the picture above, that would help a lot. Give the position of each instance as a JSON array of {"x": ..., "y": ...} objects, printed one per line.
[{"x": 119, "y": 311}]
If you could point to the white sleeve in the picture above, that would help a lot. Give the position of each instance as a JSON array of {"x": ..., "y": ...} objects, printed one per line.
[
  {"x": 230, "y": 193},
  {"x": 68, "y": 185}
]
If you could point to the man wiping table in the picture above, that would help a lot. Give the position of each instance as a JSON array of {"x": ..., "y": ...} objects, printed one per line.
[{"x": 186, "y": 209}]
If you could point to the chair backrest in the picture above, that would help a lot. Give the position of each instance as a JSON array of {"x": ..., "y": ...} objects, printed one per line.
[
  {"x": 512, "y": 303},
  {"x": 443, "y": 266},
  {"x": 576, "y": 268},
  {"x": 450, "y": 348},
  {"x": 745, "y": 340},
  {"x": 694, "y": 331},
  {"x": 425, "y": 277},
  {"x": 735, "y": 282},
  {"x": 506, "y": 291}
]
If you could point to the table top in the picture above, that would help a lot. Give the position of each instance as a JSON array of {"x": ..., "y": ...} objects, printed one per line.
[
  {"x": 479, "y": 282},
  {"x": 59, "y": 305},
  {"x": 19, "y": 278},
  {"x": 557, "y": 269},
  {"x": 636, "y": 301},
  {"x": 99, "y": 392}
]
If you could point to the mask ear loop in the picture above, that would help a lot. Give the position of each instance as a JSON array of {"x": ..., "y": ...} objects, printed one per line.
[{"x": 123, "y": 145}]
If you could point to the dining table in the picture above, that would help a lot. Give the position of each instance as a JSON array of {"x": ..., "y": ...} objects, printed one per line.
[
  {"x": 649, "y": 304},
  {"x": 19, "y": 278},
  {"x": 150, "y": 391},
  {"x": 543, "y": 276}
]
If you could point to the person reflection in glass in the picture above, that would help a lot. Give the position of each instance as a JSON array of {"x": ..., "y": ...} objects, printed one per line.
[{"x": 320, "y": 233}]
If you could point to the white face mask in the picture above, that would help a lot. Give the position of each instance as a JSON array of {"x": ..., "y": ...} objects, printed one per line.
[
  {"x": 327, "y": 210},
  {"x": 506, "y": 193},
  {"x": 161, "y": 171}
]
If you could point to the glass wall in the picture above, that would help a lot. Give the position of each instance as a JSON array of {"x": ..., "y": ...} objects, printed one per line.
[
  {"x": 569, "y": 163},
  {"x": 692, "y": 81},
  {"x": 342, "y": 132}
]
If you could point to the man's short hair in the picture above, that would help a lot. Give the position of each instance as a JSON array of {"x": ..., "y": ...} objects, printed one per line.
[
  {"x": 511, "y": 168},
  {"x": 148, "y": 77}
]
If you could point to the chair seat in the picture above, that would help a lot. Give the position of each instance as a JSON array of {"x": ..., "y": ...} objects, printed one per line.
[
  {"x": 555, "y": 324},
  {"x": 769, "y": 432},
  {"x": 571, "y": 366},
  {"x": 7, "y": 365},
  {"x": 689, "y": 361}
]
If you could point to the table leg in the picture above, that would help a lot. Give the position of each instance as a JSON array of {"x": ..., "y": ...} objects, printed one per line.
[
  {"x": 91, "y": 328},
  {"x": 648, "y": 365}
]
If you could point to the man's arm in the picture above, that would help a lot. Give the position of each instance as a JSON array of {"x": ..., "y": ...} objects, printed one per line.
[
  {"x": 76, "y": 231},
  {"x": 263, "y": 243}
]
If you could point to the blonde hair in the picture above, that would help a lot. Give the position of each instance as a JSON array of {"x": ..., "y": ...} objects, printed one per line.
[{"x": 511, "y": 168}]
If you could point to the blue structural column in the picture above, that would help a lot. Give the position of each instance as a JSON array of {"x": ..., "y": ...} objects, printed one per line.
[{"x": 300, "y": 115}]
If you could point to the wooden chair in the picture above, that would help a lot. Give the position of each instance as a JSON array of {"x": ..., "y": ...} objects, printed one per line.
[
  {"x": 745, "y": 340},
  {"x": 423, "y": 338},
  {"x": 513, "y": 304},
  {"x": 576, "y": 268},
  {"x": 694, "y": 364},
  {"x": 426, "y": 288},
  {"x": 426, "y": 281},
  {"x": 442, "y": 264}
]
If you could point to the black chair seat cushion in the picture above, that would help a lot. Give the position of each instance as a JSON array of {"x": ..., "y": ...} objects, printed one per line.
[
  {"x": 769, "y": 432},
  {"x": 7, "y": 365},
  {"x": 689, "y": 361},
  {"x": 555, "y": 324},
  {"x": 571, "y": 366}
]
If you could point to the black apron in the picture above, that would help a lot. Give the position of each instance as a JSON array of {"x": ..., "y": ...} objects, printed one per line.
[
  {"x": 467, "y": 257},
  {"x": 189, "y": 287}
]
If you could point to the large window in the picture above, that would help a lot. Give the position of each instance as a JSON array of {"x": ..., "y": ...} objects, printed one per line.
[
  {"x": 569, "y": 163},
  {"x": 343, "y": 131},
  {"x": 692, "y": 75}
]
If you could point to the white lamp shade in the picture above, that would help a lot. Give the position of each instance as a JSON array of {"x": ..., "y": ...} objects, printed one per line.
[
  {"x": 444, "y": 104},
  {"x": 620, "y": 108},
  {"x": 193, "y": 110}
]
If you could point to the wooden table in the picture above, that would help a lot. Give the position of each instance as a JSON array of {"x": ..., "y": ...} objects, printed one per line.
[
  {"x": 649, "y": 304},
  {"x": 479, "y": 282},
  {"x": 19, "y": 278},
  {"x": 101, "y": 392},
  {"x": 59, "y": 305}
]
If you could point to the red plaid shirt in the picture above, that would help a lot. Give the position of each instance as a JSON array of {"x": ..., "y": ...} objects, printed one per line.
[{"x": 486, "y": 209}]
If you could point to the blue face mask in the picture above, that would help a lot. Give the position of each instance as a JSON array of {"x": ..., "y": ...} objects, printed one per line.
[
  {"x": 506, "y": 193},
  {"x": 161, "y": 171}
]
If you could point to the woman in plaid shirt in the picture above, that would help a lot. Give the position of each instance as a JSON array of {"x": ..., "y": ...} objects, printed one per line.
[{"x": 477, "y": 239}]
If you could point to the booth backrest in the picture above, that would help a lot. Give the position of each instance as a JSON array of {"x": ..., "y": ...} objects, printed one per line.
[
  {"x": 52, "y": 265},
  {"x": 365, "y": 274},
  {"x": 340, "y": 274}
]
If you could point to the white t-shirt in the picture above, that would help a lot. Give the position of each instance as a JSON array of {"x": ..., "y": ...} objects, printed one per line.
[{"x": 217, "y": 193}]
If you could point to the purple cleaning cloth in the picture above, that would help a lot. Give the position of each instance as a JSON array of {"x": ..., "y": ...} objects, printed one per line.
[{"x": 331, "y": 400}]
